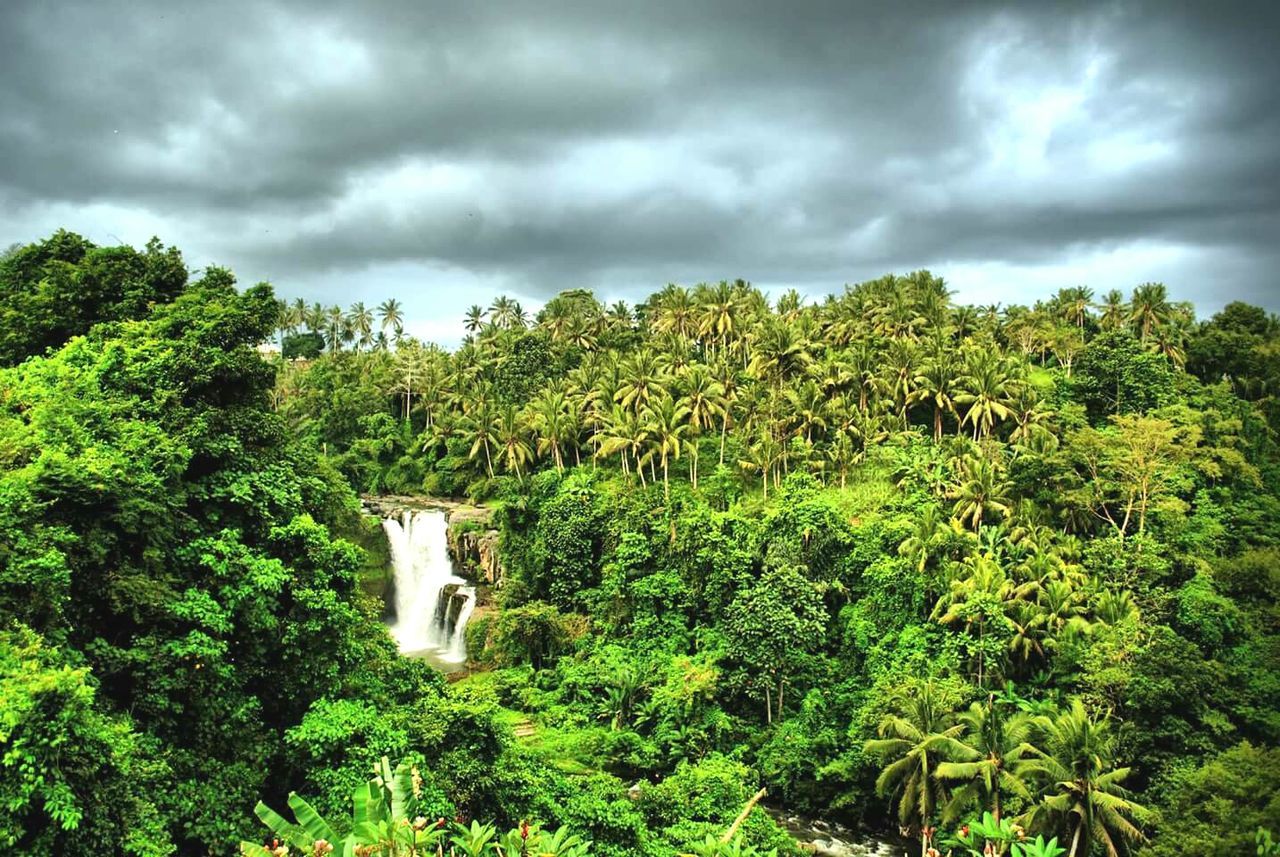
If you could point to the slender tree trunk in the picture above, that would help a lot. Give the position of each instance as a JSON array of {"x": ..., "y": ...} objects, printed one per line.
[
  {"x": 1075, "y": 840},
  {"x": 666, "y": 486},
  {"x": 937, "y": 423}
]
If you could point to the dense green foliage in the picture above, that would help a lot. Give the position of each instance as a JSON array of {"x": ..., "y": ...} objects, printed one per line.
[
  {"x": 772, "y": 532},
  {"x": 886, "y": 556}
]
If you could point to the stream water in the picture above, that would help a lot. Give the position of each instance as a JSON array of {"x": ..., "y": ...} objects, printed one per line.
[{"x": 834, "y": 839}]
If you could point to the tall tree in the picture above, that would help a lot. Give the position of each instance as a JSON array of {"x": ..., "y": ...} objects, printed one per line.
[
  {"x": 1084, "y": 792},
  {"x": 914, "y": 741}
]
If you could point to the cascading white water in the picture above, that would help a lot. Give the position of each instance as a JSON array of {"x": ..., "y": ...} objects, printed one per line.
[
  {"x": 458, "y": 642},
  {"x": 423, "y": 571}
]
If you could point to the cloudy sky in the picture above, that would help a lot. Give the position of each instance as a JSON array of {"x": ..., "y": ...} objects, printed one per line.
[{"x": 444, "y": 152}]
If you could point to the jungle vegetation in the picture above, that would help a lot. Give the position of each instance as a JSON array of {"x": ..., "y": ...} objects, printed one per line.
[{"x": 1006, "y": 574}]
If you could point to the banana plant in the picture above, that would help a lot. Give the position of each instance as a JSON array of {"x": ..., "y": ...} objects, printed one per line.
[
  {"x": 474, "y": 841},
  {"x": 383, "y": 817},
  {"x": 715, "y": 846},
  {"x": 1005, "y": 836},
  {"x": 529, "y": 841},
  {"x": 562, "y": 843}
]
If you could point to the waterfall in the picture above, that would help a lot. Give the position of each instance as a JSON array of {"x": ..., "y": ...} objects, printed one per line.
[{"x": 432, "y": 603}]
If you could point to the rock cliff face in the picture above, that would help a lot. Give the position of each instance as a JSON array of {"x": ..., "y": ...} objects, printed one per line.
[
  {"x": 472, "y": 538},
  {"x": 473, "y": 543}
]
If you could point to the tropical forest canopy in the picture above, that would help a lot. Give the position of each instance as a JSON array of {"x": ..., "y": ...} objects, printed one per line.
[{"x": 964, "y": 574}]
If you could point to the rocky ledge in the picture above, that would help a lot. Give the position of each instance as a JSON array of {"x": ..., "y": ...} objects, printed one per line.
[
  {"x": 473, "y": 542},
  {"x": 472, "y": 537}
]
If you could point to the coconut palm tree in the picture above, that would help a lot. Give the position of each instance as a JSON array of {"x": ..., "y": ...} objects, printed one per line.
[
  {"x": 391, "y": 315},
  {"x": 549, "y": 416},
  {"x": 718, "y": 314},
  {"x": 914, "y": 741},
  {"x": 513, "y": 445},
  {"x": 779, "y": 353},
  {"x": 626, "y": 433},
  {"x": 977, "y": 597},
  {"x": 1073, "y": 304},
  {"x": 1115, "y": 312},
  {"x": 473, "y": 321},
  {"x": 664, "y": 418},
  {"x": 808, "y": 407},
  {"x": 987, "y": 759},
  {"x": 762, "y": 457},
  {"x": 980, "y": 492},
  {"x": 642, "y": 380},
  {"x": 938, "y": 382},
  {"x": 930, "y": 530},
  {"x": 987, "y": 385},
  {"x": 704, "y": 401},
  {"x": 361, "y": 320},
  {"x": 480, "y": 425},
  {"x": 337, "y": 328},
  {"x": 1084, "y": 795},
  {"x": 1149, "y": 309}
]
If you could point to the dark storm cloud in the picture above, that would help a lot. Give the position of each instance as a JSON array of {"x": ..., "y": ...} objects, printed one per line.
[{"x": 625, "y": 145}]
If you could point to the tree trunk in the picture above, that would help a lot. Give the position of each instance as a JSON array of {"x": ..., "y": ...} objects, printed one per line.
[{"x": 1075, "y": 840}]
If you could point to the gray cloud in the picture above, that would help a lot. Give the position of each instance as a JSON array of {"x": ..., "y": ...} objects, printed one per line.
[{"x": 622, "y": 146}]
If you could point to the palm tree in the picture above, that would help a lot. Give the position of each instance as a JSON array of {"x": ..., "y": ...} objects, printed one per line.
[
  {"x": 473, "y": 321},
  {"x": 779, "y": 353},
  {"x": 1074, "y": 303},
  {"x": 902, "y": 375},
  {"x": 513, "y": 440},
  {"x": 391, "y": 315},
  {"x": 361, "y": 321},
  {"x": 977, "y": 596},
  {"x": 718, "y": 314},
  {"x": 502, "y": 312},
  {"x": 915, "y": 740},
  {"x": 549, "y": 416},
  {"x": 938, "y": 382},
  {"x": 1085, "y": 794},
  {"x": 665, "y": 420},
  {"x": 980, "y": 492},
  {"x": 987, "y": 383},
  {"x": 642, "y": 380},
  {"x": 1149, "y": 308},
  {"x": 929, "y": 531},
  {"x": 704, "y": 401},
  {"x": 480, "y": 424},
  {"x": 762, "y": 457},
  {"x": 336, "y": 328},
  {"x": 1115, "y": 312},
  {"x": 809, "y": 408},
  {"x": 623, "y": 432},
  {"x": 674, "y": 313},
  {"x": 619, "y": 316},
  {"x": 988, "y": 758}
]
